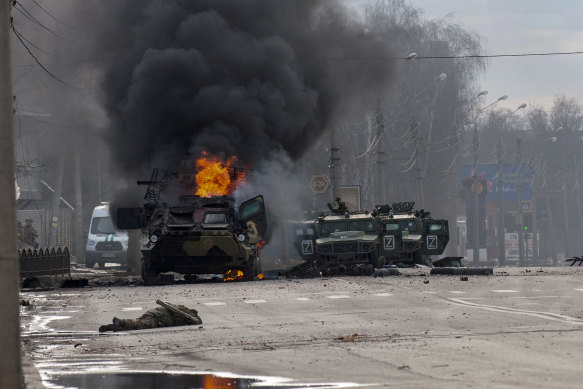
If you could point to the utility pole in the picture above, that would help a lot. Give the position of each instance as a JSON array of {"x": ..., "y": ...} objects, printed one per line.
[
  {"x": 56, "y": 205},
  {"x": 565, "y": 210},
  {"x": 475, "y": 199},
  {"x": 333, "y": 161},
  {"x": 453, "y": 233},
  {"x": 79, "y": 233},
  {"x": 381, "y": 199},
  {"x": 550, "y": 230},
  {"x": 520, "y": 213},
  {"x": 10, "y": 360},
  {"x": 417, "y": 162},
  {"x": 501, "y": 232},
  {"x": 535, "y": 242}
]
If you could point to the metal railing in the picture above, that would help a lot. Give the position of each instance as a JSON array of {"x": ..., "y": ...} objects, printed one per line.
[{"x": 44, "y": 262}]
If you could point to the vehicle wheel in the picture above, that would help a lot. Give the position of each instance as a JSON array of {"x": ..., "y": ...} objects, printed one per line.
[
  {"x": 148, "y": 274},
  {"x": 89, "y": 264},
  {"x": 375, "y": 260},
  {"x": 418, "y": 258},
  {"x": 101, "y": 264},
  {"x": 251, "y": 271}
]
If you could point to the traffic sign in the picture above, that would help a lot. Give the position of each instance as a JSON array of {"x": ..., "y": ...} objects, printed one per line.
[
  {"x": 319, "y": 183},
  {"x": 526, "y": 205}
]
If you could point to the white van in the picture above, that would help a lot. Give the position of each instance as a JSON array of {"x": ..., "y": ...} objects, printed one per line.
[{"x": 104, "y": 242}]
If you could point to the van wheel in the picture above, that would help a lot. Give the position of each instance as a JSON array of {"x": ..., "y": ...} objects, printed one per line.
[
  {"x": 101, "y": 264},
  {"x": 375, "y": 260},
  {"x": 89, "y": 264}
]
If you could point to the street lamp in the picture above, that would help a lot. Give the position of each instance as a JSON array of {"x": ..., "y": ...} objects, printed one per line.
[
  {"x": 476, "y": 188},
  {"x": 415, "y": 128},
  {"x": 452, "y": 248},
  {"x": 499, "y": 156}
]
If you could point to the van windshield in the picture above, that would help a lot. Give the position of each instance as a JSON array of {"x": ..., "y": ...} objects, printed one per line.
[{"x": 102, "y": 225}]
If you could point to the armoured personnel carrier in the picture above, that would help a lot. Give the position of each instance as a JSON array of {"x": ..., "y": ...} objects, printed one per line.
[
  {"x": 197, "y": 235},
  {"x": 348, "y": 241},
  {"x": 408, "y": 236},
  {"x": 358, "y": 242}
]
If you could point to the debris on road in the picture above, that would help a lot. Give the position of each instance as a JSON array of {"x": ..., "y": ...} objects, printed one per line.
[
  {"x": 463, "y": 278},
  {"x": 349, "y": 338}
]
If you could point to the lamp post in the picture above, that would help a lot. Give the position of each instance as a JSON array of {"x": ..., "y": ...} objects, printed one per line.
[
  {"x": 500, "y": 175},
  {"x": 453, "y": 246},
  {"x": 417, "y": 140},
  {"x": 477, "y": 187}
]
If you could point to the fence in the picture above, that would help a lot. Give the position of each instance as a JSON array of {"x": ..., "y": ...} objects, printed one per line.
[{"x": 44, "y": 262}]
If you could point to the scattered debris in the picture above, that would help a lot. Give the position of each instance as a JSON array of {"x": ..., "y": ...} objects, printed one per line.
[
  {"x": 463, "y": 278},
  {"x": 574, "y": 260},
  {"x": 386, "y": 272},
  {"x": 77, "y": 345},
  {"x": 426, "y": 281},
  {"x": 25, "y": 303},
  {"x": 404, "y": 367},
  {"x": 75, "y": 283},
  {"x": 40, "y": 282},
  {"x": 349, "y": 338}
]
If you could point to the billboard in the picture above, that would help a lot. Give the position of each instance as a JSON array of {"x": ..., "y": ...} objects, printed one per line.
[
  {"x": 489, "y": 172},
  {"x": 350, "y": 194}
]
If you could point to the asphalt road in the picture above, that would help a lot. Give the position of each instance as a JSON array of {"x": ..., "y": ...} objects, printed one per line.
[{"x": 518, "y": 328}]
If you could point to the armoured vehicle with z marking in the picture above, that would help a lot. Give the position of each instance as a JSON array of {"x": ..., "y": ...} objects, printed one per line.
[{"x": 357, "y": 242}]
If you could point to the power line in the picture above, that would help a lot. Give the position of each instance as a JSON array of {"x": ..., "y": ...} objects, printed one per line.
[
  {"x": 494, "y": 55},
  {"x": 35, "y": 58},
  {"x": 30, "y": 17},
  {"x": 53, "y": 17},
  {"x": 468, "y": 56},
  {"x": 32, "y": 44}
]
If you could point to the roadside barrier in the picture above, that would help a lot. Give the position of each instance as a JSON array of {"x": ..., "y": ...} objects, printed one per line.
[{"x": 44, "y": 262}]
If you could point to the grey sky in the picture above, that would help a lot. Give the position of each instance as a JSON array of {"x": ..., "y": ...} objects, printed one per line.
[{"x": 522, "y": 26}]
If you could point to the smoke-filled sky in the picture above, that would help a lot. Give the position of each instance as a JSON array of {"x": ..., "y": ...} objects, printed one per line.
[{"x": 240, "y": 78}]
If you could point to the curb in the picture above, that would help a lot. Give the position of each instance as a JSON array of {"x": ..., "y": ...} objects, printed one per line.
[{"x": 462, "y": 271}]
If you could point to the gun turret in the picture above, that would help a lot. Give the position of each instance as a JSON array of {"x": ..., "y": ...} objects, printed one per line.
[{"x": 338, "y": 207}]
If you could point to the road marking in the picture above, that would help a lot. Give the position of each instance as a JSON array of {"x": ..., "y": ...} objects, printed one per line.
[
  {"x": 383, "y": 294},
  {"x": 580, "y": 290},
  {"x": 339, "y": 296},
  {"x": 255, "y": 301},
  {"x": 303, "y": 299},
  {"x": 132, "y": 309},
  {"x": 214, "y": 304},
  {"x": 504, "y": 291},
  {"x": 456, "y": 291},
  {"x": 539, "y": 314}
]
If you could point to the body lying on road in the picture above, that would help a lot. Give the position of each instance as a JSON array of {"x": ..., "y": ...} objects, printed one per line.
[{"x": 167, "y": 315}]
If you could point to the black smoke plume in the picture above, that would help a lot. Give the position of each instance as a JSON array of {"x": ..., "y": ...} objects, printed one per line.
[{"x": 232, "y": 77}]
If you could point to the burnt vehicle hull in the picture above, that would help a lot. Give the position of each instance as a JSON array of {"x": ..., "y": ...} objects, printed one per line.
[
  {"x": 198, "y": 235},
  {"x": 215, "y": 252}
]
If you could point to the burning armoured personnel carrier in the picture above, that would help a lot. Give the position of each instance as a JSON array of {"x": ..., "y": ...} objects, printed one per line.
[{"x": 190, "y": 234}]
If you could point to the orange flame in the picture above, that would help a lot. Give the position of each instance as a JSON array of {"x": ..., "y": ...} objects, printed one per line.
[
  {"x": 233, "y": 275},
  {"x": 212, "y": 177}
]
